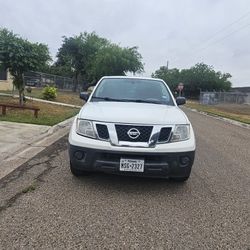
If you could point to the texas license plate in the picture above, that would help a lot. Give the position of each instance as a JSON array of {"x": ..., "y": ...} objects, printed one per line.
[{"x": 131, "y": 165}]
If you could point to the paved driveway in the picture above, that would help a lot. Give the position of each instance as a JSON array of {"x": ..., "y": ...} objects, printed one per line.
[
  {"x": 16, "y": 136},
  {"x": 43, "y": 206}
]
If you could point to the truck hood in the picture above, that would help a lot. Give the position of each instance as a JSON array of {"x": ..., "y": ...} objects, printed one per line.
[{"x": 133, "y": 113}]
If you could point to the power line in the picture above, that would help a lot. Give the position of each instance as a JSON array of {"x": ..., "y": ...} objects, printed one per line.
[
  {"x": 223, "y": 38},
  {"x": 218, "y": 32},
  {"x": 227, "y": 26}
]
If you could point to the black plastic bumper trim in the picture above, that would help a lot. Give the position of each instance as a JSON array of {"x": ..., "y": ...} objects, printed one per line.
[{"x": 156, "y": 164}]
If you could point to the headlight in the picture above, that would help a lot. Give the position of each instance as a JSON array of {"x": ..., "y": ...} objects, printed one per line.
[
  {"x": 85, "y": 128},
  {"x": 181, "y": 133}
]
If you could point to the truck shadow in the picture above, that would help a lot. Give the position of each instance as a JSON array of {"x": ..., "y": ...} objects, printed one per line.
[{"x": 131, "y": 184}]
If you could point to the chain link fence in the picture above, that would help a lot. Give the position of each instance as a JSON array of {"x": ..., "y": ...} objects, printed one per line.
[
  {"x": 212, "y": 98},
  {"x": 38, "y": 79}
]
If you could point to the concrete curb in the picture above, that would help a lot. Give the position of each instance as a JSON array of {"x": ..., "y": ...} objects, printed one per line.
[
  {"x": 45, "y": 101},
  {"x": 240, "y": 124},
  {"x": 37, "y": 145}
]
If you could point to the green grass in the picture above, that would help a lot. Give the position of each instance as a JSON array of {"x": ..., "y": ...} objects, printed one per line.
[
  {"x": 30, "y": 188},
  {"x": 235, "y": 112},
  {"x": 67, "y": 97},
  {"x": 49, "y": 114}
]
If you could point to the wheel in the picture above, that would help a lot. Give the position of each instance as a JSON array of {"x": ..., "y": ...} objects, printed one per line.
[
  {"x": 180, "y": 179},
  {"x": 76, "y": 172}
]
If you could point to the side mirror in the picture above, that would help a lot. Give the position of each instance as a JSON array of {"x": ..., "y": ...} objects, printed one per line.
[
  {"x": 180, "y": 100},
  {"x": 84, "y": 96}
]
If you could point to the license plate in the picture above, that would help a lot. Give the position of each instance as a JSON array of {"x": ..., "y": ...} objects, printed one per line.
[{"x": 131, "y": 165}]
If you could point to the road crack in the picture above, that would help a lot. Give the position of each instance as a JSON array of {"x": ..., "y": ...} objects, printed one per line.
[{"x": 41, "y": 159}]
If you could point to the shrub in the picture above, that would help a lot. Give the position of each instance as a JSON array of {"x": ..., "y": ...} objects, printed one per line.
[{"x": 49, "y": 93}]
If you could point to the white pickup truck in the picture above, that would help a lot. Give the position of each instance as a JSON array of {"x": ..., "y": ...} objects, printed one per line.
[{"x": 132, "y": 126}]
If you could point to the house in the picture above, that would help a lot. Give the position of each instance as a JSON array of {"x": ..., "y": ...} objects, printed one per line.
[{"x": 5, "y": 80}]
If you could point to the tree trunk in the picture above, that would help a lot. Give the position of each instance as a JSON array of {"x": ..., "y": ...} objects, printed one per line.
[
  {"x": 20, "y": 85},
  {"x": 75, "y": 82},
  {"x": 21, "y": 97}
]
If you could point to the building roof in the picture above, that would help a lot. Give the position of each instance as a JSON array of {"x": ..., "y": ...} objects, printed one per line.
[{"x": 241, "y": 89}]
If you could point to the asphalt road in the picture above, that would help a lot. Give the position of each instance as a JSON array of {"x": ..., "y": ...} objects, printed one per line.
[{"x": 43, "y": 206}]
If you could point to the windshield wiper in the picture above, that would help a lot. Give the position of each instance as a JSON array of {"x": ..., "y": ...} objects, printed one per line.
[
  {"x": 143, "y": 101},
  {"x": 108, "y": 99},
  {"x": 126, "y": 100}
]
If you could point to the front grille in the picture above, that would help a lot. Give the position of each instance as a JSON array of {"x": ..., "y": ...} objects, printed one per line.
[
  {"x": 102, "y": 131},
  {"x": 164, "y": 134},
  {"x": 122, "y": 133}
]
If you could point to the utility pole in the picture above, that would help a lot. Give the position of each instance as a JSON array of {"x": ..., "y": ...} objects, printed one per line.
[{"x": 167, "y": 65}]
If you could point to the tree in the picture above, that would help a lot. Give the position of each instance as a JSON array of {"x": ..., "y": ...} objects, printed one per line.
[
  {"x": 114, "y": 60},
  {"x": 77, "y": 53},
  {"x": 64, "y": 70},
  {"x": 198, "y": 77},
  {"x": 170, "y": 76},
  {"x": 18, "y": 55},
  {"x": 91, "y": 57}
]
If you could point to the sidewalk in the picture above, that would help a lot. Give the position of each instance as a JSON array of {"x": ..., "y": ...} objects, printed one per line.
[
  {"x": 41, "y": 100},
  {"x": 20, "y": 142},
  {"x": 15, "y": 136}
]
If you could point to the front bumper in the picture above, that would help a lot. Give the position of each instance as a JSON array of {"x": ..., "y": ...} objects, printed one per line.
[{"x": 156, "y": 164}]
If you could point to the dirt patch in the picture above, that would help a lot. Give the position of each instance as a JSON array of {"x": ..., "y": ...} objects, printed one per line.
[
  {"x": 243, "y": 109},
  {"x": 235, "y": 112}
]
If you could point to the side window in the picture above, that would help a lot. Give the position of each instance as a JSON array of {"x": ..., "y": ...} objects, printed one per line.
[{"x": 3, "y": 75}]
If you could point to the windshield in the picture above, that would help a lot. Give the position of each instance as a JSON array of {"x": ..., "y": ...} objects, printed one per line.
[{"x": 132, "y": 90}]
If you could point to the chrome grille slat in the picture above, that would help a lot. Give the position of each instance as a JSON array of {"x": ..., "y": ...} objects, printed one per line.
[{"x": 122, "y": 133}]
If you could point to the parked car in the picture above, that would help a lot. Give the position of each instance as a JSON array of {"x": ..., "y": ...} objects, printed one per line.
[
  {"x": 132, "y": 126},
  {"x": 32, "y": 82}
]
